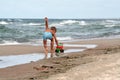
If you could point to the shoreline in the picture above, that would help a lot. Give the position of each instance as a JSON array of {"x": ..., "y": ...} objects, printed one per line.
[
  {"x": 54, "y": 65},
  {"x": 14, "y": 43},
  {"x": 9, "y": 60}
]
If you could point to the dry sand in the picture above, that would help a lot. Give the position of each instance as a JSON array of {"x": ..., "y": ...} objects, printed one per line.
[
  {"x": 104, "y": 67},
  {"x": 101, "y": 63}
]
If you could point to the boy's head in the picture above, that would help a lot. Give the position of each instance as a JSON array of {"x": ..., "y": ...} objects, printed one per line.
[{"x": 54, "y": 29}]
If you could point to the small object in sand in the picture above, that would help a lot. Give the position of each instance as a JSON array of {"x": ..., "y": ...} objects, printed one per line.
[
  {"x": 43, "y": 68},
  {"x": 40, "y": 68},
  {"x": 59, "y": 49},
  {"x": 31, "y": 78}
]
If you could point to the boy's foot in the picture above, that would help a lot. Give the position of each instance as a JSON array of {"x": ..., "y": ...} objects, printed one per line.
[{"x": 53, "y": 55}]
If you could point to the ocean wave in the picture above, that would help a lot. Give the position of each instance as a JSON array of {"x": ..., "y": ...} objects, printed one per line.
[
  {"x": 65, "y": 22},
  {"x": 10, "y": 43},
  {"x": 32, "y": 24},
  {"x": 33, "y": 42},
  {"x": 6, "y": 31},
  {"x": 55, "y": 24},
  {"x": 111, "y": 21},
  {"x": 64, "y": 38},
  {"x": 82, "y": 23},
  {"x": 68, "y": 29},
  {"x": 70, "y": 22},
  {"x": 113, "y": 25},
  {"x": 3, "y": 23}
]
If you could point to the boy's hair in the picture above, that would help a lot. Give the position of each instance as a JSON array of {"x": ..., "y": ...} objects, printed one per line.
[{"x": 54, "y": 28}]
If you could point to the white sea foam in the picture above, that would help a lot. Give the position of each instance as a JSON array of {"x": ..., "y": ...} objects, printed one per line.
[
  {"x": 64, "y": 38},
  {"x": 32, "y": 24},
  {"x": 4, "y": 23},
  {"x": 69, "y": 22},
  {"x": 82, "y": 23},
  {"x": 10, "y": 43},
  {"x": 112, "y": 21},
  {"x": 112, "y": 25},
  {"x": 65, "y": 22},
  {"x": 34, "y": 42},
  {"x": 56, "y": 24}
]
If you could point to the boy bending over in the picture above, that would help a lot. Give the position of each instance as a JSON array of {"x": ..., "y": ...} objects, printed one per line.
[{"x": 49, "y": 34}]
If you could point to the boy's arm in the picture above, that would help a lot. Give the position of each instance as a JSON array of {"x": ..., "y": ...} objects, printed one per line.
[
  {"x": 46, "y": 23},
  {"x": 56, "y": 41}
]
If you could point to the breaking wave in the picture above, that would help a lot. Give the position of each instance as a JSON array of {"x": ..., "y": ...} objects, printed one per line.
[
  {"x": 32, "y": 24},
  {"x": 69, "y": 22},
  {"x": 3, "y": 23}
]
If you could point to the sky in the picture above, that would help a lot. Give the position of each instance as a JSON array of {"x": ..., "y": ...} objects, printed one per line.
[{"x": 60, "y": 8}]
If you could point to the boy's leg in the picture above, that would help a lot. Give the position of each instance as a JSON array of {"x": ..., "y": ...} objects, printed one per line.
[
  {"x": 45, "y": 48},
  {"x": 52, "y": 47}
]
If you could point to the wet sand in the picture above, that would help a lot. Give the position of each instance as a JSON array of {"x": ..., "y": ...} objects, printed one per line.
[{"x": 100, "y": 63}]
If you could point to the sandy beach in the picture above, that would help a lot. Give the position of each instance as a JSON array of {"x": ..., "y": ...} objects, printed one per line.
[
  {"x": 60, "y": 40},
  {"x": 100, "y": 63}
]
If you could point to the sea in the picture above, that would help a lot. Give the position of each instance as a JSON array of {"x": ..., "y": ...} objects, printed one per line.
[{"x": 29, "y": 31}]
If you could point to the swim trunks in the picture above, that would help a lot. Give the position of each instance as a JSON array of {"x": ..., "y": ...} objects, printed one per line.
[{"x": 47, "y": 35}]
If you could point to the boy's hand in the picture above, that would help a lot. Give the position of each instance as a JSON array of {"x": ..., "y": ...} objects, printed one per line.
[
  {"x": 46, "y": 23},
  {"x": 46, "y": 19}
]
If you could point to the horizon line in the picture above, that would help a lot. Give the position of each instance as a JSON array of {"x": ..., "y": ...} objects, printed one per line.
[{"x": 56, "y": 18}]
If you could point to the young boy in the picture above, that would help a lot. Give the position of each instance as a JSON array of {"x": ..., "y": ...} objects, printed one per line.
[{"x": 49, "y": 34}]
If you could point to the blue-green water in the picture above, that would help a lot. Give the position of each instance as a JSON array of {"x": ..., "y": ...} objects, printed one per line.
[{"x": 31, "y": 30}]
